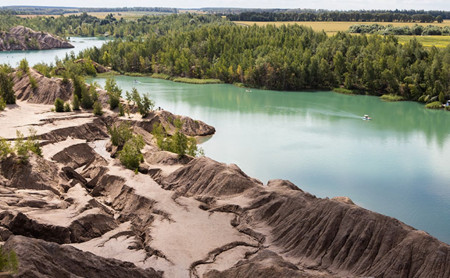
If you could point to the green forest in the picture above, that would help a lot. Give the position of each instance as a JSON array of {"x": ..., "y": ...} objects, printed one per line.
[
  {"x": 287, "y": 58},
  {"x": 85, "y": 25},
  {"x": 324, "y": 15},
  {"x": 279, "y": 58}
]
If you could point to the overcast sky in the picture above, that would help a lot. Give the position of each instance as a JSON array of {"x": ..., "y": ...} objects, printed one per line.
[{"x": 320, "y": 4}]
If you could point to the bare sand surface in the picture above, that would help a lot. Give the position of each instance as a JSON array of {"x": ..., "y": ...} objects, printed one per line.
[{"x": 23, "y": 115}]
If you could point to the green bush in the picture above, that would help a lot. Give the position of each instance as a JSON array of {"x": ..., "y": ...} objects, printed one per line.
[
  {"x": 59, "y": 105},
  {"x": 434, "y": 105},
  {"x": 114, "y": 92},
  {"x": 2, "y": 104},
  {"x": 447, "y": 108},
  {"x": 144, "y": 103},
  {"x": 22, "y": 146},
  {"x": 88, "y": 97},
  {"x": 130, "y": 156},
  {"x": 120, "y": 134},
  {"x": 343, "y": 91},
  {"x": 442, "y": 97},
  {"x": 121, "y": 110},
  {"x": 44, "y": 69},
  {"x": 391, "y": 97},
  {"x": 5, "y": 148},
  {"x": 33, "y": 82},
  {"x": 23, "y": 66},
  {"x": 79, "y": 85},
  {"x": 8, "y": 261},
  {"x": 33, "y": 142},
  {"x": 178, "y": 143},
  {"x": 75, "y": 103},
  {"x": 67, "y": 108},
  {"x": 98, "y": 109},
  {"x": 6, "y": 87}
]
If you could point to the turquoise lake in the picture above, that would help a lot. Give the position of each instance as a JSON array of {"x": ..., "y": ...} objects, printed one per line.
[{"x": 397, "y": 164}]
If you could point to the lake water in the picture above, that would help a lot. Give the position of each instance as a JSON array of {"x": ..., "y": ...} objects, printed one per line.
[
  {"x": 48, "y": 56},
  {"x": 396, "y": 164}
]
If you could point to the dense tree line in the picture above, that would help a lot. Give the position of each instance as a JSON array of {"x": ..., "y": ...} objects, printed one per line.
[
  {"x": 42, "y": 10},
  {"x": 363, "y": 16},
  {"x": 86, "y": 25},
  {"x": 417, "y": 30},
  {"x": 287, "y": 58}
]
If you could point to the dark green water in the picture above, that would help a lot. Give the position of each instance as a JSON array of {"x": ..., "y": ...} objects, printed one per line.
[{"x": 397, "y": 164}]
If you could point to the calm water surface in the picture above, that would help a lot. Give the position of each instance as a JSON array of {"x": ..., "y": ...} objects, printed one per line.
[
  {"x": 397, "y": 164},
  {"x": 48, "y": 56}
]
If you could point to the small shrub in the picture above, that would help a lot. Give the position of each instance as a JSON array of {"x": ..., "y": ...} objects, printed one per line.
[
  {"x": 33, "y": 142},
  {"x": 434, "y": 105},
  {"x": 59, "y": 105},
  {"x": 343, "y": 91},
  {"x": 130, "y": 156},
  {"x": 178, "y": 143},
  {"x": 2, "y": 104},
  {"x": 447, "y": 108},
  {"x": 8, "y": 261},
  {"x": 67, "y": 108},
  {"x": 88, "y": 97},
  {"x": 23, "y": 66},
  {"x": 98, "y": 109},
  {"x": 144, "y": 103},
  {"x": 6, "y": 87},
  {"x": 121, "y": 110},
  {"x": 120, "y": 134},
  {"x": 20, "y": 147},
  {"x": 75, "y": 103},
  {"x": 5, "y": 148},
  {"x": 33, "y": 82},
  {"x": 391, "y": 97},
  {"x": 44, "y": 69},
  {"x": 114, "y": 93}
]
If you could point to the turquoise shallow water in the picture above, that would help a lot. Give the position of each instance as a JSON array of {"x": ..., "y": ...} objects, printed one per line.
[{"x": 396, "y": 164}]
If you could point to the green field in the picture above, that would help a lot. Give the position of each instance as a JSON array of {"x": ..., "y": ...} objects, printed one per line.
[
  {"x": 332, "y": 27},
  {"x": 428, "y": 41}
]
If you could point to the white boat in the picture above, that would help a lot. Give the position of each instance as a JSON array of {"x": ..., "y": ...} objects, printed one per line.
[{"x": 366, "y": 118}]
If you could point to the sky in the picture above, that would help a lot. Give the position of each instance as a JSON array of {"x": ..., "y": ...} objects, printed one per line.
[{"x": 304, "y": 4}]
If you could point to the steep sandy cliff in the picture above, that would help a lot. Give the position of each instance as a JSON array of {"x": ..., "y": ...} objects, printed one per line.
[{"x": 23, "y": 38}]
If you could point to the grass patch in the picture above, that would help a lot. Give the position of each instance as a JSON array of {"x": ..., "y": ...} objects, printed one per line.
[
  {"x": 107, "y": 74},
  {"x": 344, "y": 91},
  {"x": 160, "y": 76},
  {"x": 136, "y": 74},
  {"x": 196, "y": 80},
  {"x": 434, "y": 105},
  {"x": 239, "y": 84},
  {"x": 427, "y": 41},
  {"x": 391, "y": 97},
  {"x": 332, "y": 27}
]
